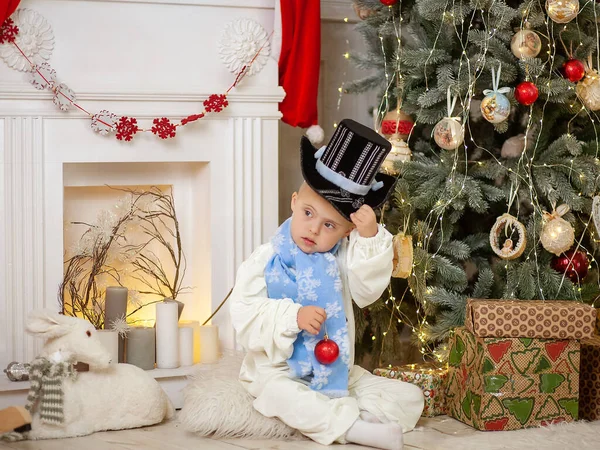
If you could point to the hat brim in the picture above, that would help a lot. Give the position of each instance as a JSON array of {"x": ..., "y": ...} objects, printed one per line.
[{"x": 374, "y": 199}]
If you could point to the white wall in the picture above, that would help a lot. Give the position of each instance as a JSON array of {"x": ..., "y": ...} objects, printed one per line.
[{"x": 146, "y": 59}]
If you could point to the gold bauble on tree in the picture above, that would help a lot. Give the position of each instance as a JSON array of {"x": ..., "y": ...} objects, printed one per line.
[
  {"x": 403, "y": 255},
  {"x": 400, "y": 153},
  {"x": 557, "y": 234},
  {"x": 588, "y": 90},
  {"x": 396, "y": 124},
  {"x": 526, "y": 44},
  {"x": 562, "y": 11}
]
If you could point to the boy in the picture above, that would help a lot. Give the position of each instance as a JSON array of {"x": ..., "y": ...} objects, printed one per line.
[{"x": 298, "y": 289}]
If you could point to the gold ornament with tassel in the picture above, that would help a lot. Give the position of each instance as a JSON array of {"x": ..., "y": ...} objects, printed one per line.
[
  {"x": 588, "y": 89},
  {"x": 403, "y": 255}
]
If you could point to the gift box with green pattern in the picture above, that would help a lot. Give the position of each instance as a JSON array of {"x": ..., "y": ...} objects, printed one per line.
[
  {"x": 431, "y": 379},
  {"x": 510, "y": 383}
]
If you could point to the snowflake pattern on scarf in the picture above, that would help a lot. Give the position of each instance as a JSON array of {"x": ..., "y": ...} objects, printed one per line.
[{"x": 312, "y": 279}]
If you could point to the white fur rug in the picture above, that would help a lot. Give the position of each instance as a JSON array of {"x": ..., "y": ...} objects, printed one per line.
[
  {"x": 217, "y": 405},
  {"x": 443, "y": 433}
]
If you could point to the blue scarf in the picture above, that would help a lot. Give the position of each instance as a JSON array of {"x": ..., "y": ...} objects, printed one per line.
[{"x": 312, "y": 279}]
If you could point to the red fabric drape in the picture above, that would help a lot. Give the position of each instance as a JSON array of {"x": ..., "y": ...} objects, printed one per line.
[
  {"x": 7, "y": 7},
  {"x": 299, "y": 61}
]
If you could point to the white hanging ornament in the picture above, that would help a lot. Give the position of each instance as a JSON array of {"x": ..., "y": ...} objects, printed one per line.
[
  {"x": 562, "y": 11},
  {"x": 557, "y": 234},
  {"x": 104, "y": 122},
  {"x": 43, "y": 76},
  {"x": 64, "y": 97},
  {"x": 495, "y": 107},
  {"x": 400, "y": 153},
  {"x": 35, "y": 39},
  {"x": 588, "y": 89},
  {"x": 526, "y": 44},
  {"x": 448, "y": 132},
  {"x": 239, "y": 43},
  {"x": 509, "y": 249}
]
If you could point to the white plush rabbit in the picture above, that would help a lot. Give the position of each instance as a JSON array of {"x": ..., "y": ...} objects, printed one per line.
[{"x": 108, "y": 397}]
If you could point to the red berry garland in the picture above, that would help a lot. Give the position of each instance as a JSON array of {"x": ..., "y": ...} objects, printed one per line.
[
  {"x": 126, "y": 128},
  {"x": 526, "y": 93},
  {"x": 8, "y": 31},
  {"x": 163, "y": 128},
  {"x": 216, "y": 103},
  {"x": 191, "y": 118}
]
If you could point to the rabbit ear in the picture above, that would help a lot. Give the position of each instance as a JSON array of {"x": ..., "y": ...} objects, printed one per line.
[{"x": 48, "y": 324}]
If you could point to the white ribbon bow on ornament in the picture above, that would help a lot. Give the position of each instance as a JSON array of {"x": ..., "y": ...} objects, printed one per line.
[
  {"x": 556, "y": 212},
  {"x": 495, "y": 83},
  {"x": 451, "y": 102}
]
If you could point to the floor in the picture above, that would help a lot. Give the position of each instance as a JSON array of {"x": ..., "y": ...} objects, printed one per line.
[{"x": 170, "y": 436}]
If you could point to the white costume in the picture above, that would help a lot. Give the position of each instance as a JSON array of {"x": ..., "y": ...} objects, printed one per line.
[{"x": 267, "y": 328}]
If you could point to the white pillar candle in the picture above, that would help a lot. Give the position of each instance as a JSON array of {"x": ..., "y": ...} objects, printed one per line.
[
  {"x": 167, "y": 336},
  {"x": 186, "y": 346},
  {"x": 196, "y": 327},
  {"x": 209, "y": 344},
  {"x": 110, "y": 340}
]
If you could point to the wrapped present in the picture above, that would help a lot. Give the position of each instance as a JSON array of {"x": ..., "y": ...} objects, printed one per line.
[
  {"x": 510, "y": 383},
  {"x": 552, "y": 319},
  {"x": 431, "y": 379},
  {"x": 589, "y": 379}
]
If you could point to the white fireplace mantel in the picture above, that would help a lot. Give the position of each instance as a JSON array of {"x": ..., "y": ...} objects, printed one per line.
[{"x": 144, "y": 59}]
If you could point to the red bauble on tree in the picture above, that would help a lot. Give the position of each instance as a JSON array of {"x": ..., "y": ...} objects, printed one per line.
[
  {"x": 573, "y": 70},
  {"x": 574, "y": 264},
  {"x": 389, "y": 2},
  {"x": 326, "y": 351},
  {"x": 526, "y": 93}
]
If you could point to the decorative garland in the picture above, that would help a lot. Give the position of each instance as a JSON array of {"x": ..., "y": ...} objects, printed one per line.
[{"x": 43, "y": 76}]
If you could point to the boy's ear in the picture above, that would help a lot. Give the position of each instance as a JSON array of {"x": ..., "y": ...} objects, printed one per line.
[
  {"x": 350, "y": 228},
  {"x": 293, "y": 202}
]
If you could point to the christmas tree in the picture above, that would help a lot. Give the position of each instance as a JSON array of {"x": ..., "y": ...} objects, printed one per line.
[{"x": 498, "y": 103}]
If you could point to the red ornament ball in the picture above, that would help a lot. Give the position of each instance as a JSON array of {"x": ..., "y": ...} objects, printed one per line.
[
  {"x": 575, "y": 270},
  {"x": 526, "y": 93},
  {"x": 389, "y": 2},
  {"x": 573, "y": 70},
  {"x": 326, "y": 351}
]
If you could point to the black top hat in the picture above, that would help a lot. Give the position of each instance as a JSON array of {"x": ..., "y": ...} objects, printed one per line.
[{"x": 345, "y": 171}]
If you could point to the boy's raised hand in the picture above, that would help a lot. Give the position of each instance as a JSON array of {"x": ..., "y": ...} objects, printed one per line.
[
  {"x": 365, "y": 221},
  {"x": 310, "y": 318}
]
